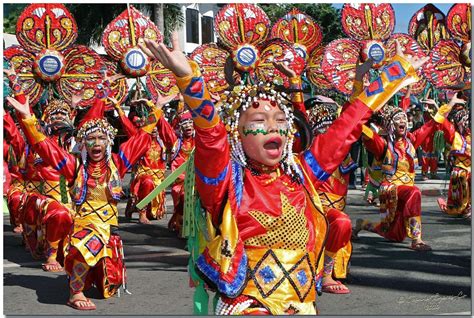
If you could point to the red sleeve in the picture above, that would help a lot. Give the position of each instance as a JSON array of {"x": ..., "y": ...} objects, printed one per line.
[
  {"x": 13, "y": 135},
  {"x": 405, "y": 103},
  {"x": 166, "y": 133},
  {"x": 128, "y": 126},
  {"x": 418, "y": 136},
  {"x": 449, "y": 131},
  {"x": 375, "y": 145},
  {"x": 132, "y": 150},
  {"x": 329, "y": 149},
  {"x": 50, "y": 152}
]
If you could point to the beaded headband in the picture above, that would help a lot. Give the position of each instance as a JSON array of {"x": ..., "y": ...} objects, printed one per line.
[
  {"x": 56, "y": 106},
  {"x": 96, "y": 125}
]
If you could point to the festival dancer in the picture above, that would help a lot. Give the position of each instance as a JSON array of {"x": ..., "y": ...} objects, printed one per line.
[
  {"x": 93, "y": 253},
  {"x": 400, "y": 199},
  {"x": 42, "y": 201},
  {"x": 333, "y": 193},
  {"x": 183, "y": 151},
  {"x": 16, "y": 185},
  {"x": 263, "y": 199},
  {"x": 458, "y": 136},
  {"x": 149, "y": 171},
  {"x": 429, "y": 162}
]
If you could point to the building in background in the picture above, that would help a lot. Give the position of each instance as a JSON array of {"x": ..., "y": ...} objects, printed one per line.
[{"x": 198, "y": 27}]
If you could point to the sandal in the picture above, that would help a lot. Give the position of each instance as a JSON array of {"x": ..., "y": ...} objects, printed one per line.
[
  {"x": 52, "y": 267},
  {"x": 329, "y": 288},
  {"x": 73, "y": 304},
  {"x": 420, "y": 247}
]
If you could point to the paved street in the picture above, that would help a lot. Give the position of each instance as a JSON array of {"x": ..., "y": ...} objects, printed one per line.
[{"x": 386, "y": 278}]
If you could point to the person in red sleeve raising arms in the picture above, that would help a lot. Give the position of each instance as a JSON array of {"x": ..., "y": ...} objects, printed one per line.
[{"x": 93, "y": 252}]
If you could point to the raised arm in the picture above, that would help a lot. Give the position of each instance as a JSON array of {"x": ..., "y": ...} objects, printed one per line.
[
  {"x": 329, "y": 149},
  {"x": 13, "y": 135},
  {"x": 419, "y": 135},
  {"x": 127, "y": 125},
  {"x": 49, "y": 150},
  {"x": 212, "y": 159}
]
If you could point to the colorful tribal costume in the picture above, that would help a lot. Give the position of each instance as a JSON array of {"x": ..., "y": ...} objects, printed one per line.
[
  {"x": 338, "y": 247},
  {"x": 15, "y": 188},
  {"x": 149, "y": 171},
  {"x": 183, "y": 151},
  {"x": 272, "y": 228},
  {"x": 429, "y": 161},
  {"x": 458, "y": 136},
  {"x": 44, "y": 210},
  {"x": 400, "y": 199},
  {"x": 94, "y": 248},
  {"x": 332, "y": 193}
]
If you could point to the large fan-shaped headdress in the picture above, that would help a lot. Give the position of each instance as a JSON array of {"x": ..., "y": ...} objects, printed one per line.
[
  {"x": 428, "y": 26},
  {"x": 298, "y": 28},
  {"x": 47, "y": 59},
  {"x": 305, "y": 34},
  {"x": 243, "y": 30},
  {"x": 370, "y": 27},
  {"x": 450, "y": 63}
]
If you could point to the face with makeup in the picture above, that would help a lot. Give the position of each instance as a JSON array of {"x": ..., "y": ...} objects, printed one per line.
[
  {"x": 56, "y": 119},
  {"x": 400, "y": 124},
  {"x": 263, "y": 129},
  {"x": 187, "y": 128},
  {"x": 96, "y": 145}
]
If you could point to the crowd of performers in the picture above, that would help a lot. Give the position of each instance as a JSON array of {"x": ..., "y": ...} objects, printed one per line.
[{"x": 271, "y": 174}]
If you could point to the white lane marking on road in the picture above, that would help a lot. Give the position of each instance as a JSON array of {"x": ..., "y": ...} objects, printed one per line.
[
  {"x": 12, "y": 265},
  {"x": 456, "y": 313}
]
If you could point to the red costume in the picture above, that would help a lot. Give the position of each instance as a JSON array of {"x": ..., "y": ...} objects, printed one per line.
[
  {"x": 400, "y": 199},
  {"x": 429, "y": 156},
  {"x": 149, "y": 171},
  {"x": 272, "y": 229},
  {"x": 44, "y": 210},
  {"x": 94, "y": 247},
  {"x": 459, "y": 193},
  {"x": 333, "y": 195}
]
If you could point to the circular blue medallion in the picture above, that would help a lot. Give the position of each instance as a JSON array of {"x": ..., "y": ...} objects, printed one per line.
[
  {"x": 246, "y": 56},
  {"x": 376, "y": 53},
  {"x": 135, "y": 59},
  {"x": 50, "y": 65}
]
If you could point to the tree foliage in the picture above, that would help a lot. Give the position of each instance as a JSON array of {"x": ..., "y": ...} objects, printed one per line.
[
  {"x": 324, "y": 14},
  {"x": 11, "y": 12}
]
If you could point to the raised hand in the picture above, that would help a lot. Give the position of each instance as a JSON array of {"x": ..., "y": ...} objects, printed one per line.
[
  {"x": 215, "y": 97},
  {"x": 456, "y": 100},
  {"x": 415, "y": 61},
  {"x": 115, "y": 77},
  {"x": 430, "y": 102},
  {"x": 282, "y": 67},
  {"x": 22, "y": 109},
  {"x": 174, "y": 60},
  {"x": 9, "y": 71},
  {"x": 163, "y": 100},
  {"x": 362, "y": 69}
]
